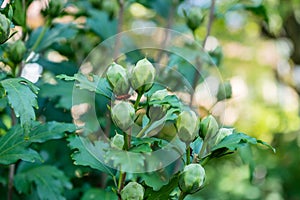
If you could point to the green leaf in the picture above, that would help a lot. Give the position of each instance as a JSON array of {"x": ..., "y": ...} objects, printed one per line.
[
  {"x": 88, "y": 154},
  {"x": 21, "y": 95},
  {"x": 47, "y": 181},
  {"x": 104, "y": 29},
  {"x": 61, "y": 91},
  {"x": 125, "y": 161},
  {"x": 155, "y": 180},
  {"x": 58, "y": 33},
  {"x": 14, "y": 147},
  {"x": 164, "y": 192},
  {"x": 95, "y": 194},
  {"x": 91, "y": 83},
  {"x": 237, "y": 140}
]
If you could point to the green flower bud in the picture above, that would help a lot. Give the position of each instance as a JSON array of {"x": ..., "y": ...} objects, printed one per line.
[
  {"x": 54, "y": 8},
  {"x": 132, "y": 191},
  {"x": 168, "y": 132},
  {"x": 187, "y": 125},
  {"x": 4, "y": 28},
  {"x": 117, "y": 141},
  {"x": 159, "y": 95},
  {"x": 123, "y": 115},
  {"x": 17, "y": 51},
  {"x": 191, "y": 178},
  {"x": 208, "y": 127},
  {"x": 223, "y": 132},
  {"x": 156, "y": 112},
  {"x": 118, "y": 79},
  {"x": 142, "y": 76},
  {"x": 224, "y": 91},
  {"x": 194, "y": 18}
]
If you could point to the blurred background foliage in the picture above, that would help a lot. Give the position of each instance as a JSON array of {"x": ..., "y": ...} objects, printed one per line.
[{"x": 254, "y": 43}]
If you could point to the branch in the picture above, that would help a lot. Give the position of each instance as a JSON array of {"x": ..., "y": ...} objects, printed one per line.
[{"x": 208, "y": 30}]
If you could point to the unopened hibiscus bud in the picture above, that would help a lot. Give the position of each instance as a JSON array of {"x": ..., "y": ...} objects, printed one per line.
[
  {"x": 17, "y": 51},
  {"x": 132, "y": 191},
  {"x": 142, "y": 76},
  {"x": 187, "y": 125},
  {"x": 191, "y": 178},
  {"x": 225, "y": 91},
  {"x": 208, "y": 127},
  {"x": 223, "y": 132},
  {"x": 194, "y": 18},
  {"x": 123, "y": 115},
  {"x": 117, "y": 141},
  {"x": 4, "y": 28},
  {"x": 118, "y": 79}
]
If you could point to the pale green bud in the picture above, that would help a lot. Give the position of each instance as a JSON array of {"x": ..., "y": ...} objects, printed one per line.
[
  {"x": 225, "y": 91},
  {"x": 223, "y": 132},
  {"x": 117, "y": 141},
  {"x": 132, "y": 191},
  {"x": 194, "y": 18},
  {"x": 208, "y": 127},
  {"x": 142, "y": 76},
  {"x": 191, "y": 178},
  {"x": 118, "y": 79},
  {"x": 187, "y": 125},
  {"x": 4, "y": 28},
  {"x": 17, "y": 51},
  {"x": 123, "y": 115}
]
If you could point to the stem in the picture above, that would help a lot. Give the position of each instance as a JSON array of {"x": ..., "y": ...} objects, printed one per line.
[
  {"x": 119, "y": 28},
  {"x": 11, "y": 176},
  {"x": 11, "y": 173},
  {"x": 182, "y": 195},
  {"x": 188, "y": 154},
  {"x": 121, "y": 181},
  {"x": 138, "y": 99},
  {"x": 141, "y": 133},
  {"x": 208, "y": 30},
  {"x": 41, "y": 36}
]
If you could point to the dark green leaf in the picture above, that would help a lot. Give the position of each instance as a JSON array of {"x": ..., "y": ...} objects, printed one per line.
[
  {"x": 88, "y": 154},
  {"x": 48, "y": 181},
  {"x": 14, "y": 147},
  {"x": 237, "y": 140},
  {"x": 104, "y": 29},
  {"x": 95, "y": 194},
  {"x": 155, "y": 180},
  {"x": 125, "y": 161},
  {"x": 92, "y": 83},
  {"x": 62, "y": 90},
  {"x": 164, "y": 192},
  {"x": 21, "y": 95},
  {"x": 58, "y": 33}
]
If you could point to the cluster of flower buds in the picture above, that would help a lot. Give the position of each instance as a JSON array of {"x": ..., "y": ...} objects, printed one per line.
[
  {"x": 211, "y": 133},
  {"x": 140, "y": 78},
  {"x": 132, "y": 191},
  {"x": 191, "y": 178}
]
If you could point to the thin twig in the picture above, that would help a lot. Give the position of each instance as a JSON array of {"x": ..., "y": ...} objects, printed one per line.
[
  {"x": 119, "y": 29},
  {"x": 208, "y": 30},
  {"x": 11, "y": 173}
]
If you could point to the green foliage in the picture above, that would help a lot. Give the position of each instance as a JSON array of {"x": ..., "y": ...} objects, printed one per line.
[
  {"x": 89, "y": 154},
  {"x": 95, "y": 193},
  {"x": 21, "y": 95},
  {"x": 14, "y": 146},
  {"x": 42, "y": 179}
]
